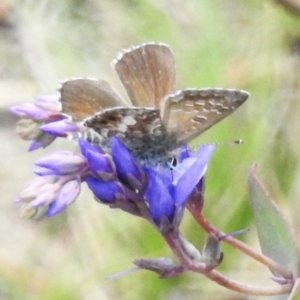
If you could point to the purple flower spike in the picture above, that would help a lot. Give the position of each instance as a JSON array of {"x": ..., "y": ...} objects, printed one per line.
[
  {"x": 187, "y": 181},
  {"x": 63, "y": 163},
  {"x": 60, "y": 128},
  {"x": 106, "y": 191},
  {"x": 66, "y": 196},
  {"x": 127, "y": 167},
  {"x": 158, "y": 196}
]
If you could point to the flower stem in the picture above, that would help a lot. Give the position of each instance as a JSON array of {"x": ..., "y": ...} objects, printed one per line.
[
  {"x": 209, "y": 228},
  {"x": 171, "y": 238}
]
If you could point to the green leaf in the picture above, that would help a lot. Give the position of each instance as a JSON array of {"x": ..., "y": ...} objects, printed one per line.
[{"x": 274, "y": 233}]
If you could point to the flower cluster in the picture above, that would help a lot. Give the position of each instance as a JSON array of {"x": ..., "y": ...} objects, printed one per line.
[
  {"x": 41, "y": 122},
  {"x": 58, "y": 185},
  {"x": 155, "y": 193},
  {"x": 118, "y": 179}
]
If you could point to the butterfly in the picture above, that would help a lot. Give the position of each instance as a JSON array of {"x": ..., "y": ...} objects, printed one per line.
[{"x": 156, "y": 118}]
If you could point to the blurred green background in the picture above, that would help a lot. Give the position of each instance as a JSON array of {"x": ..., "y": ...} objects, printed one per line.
[{"x": 248, "y": 44}]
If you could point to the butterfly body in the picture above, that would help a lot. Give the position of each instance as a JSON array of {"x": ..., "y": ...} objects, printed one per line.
[
  {"x": 157, "y": 119},
  {"x": 140, "y": 128}
]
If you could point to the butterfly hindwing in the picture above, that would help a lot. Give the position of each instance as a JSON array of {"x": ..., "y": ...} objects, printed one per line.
[{"x": 190, "y": 112}]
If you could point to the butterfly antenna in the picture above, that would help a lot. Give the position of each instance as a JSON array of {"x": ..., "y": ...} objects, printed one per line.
[
  {"x": 233, "y": 233},
  {"x": 235, "y": 142}
]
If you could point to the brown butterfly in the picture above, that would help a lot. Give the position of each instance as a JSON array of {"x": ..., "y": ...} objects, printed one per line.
[{"x": 156, "y": 118}]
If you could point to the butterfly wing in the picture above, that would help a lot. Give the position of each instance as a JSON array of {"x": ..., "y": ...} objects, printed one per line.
[
  {"x": 147, "y": 72},
  {"x": 190, "y": 112},
  {"x": 81, "y": 98}
]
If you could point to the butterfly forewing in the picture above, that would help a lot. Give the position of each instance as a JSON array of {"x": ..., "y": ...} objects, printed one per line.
[
  {"x": 81, "y": 98},
  {"x": 190, "y": 112},
  {"x": 147, "y": 73}
]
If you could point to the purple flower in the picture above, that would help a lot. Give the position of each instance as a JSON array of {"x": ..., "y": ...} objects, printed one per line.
[
  {"x": 58, "y": 186},
  {"x": 159, "y": 198},
  {"x": 67, "y": 194},
  {"x": 60, "y": 127},
  {"x": 159, "y": 191},
  {"x": 189, "y": 173},
  {"x": 107, "y": 191},
  {"x": 42, "y": 121},
  {"x": 62, "y": 163},
  {"x": 167, "y": 195},
  {"x": 114, "y": 178},
  {"x": 128, "y": 168},
  {"x": 101, "y": 164}
]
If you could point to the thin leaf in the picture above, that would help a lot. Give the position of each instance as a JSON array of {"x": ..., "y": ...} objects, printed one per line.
[
  {"x": 279, "y": 297},
  {"x": 295, "y": 294},
  {"x": 274, "y": 233}
]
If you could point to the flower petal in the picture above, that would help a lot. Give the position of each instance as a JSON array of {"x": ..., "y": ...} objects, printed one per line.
[
  {"x": 86, "y": 147},
  {"x": 188, "y": 180},
  {"x": 158, "y": 196},
  {"x": 59, "y": 128},
  {"x": 42, "y": 141},
  {"x": 30, "y": 110},
  {"x": 43, "y": 171},
  {"x": 100, "y": 163},
  {"x": 126, "y": 165},
  {"x": 63, "y": 162}
]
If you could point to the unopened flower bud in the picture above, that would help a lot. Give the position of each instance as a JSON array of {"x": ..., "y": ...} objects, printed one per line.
[
  {"x": 60, "y": 127},
  {"x": 63, "y": 163},
  {"x": 27, "y": 129},
  {"x": 106, "y": 191},
  {"x": 190, "y": 250},
  {"x": 162, "y": 266},
  {"x": 212, "y": 255},
  {"x": 66, "y": 196}
]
